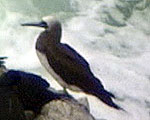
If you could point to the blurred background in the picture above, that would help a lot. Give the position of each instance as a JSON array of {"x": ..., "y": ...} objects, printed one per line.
[{"x": 113, "y": 35}]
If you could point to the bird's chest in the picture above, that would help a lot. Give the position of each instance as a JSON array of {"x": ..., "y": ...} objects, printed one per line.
[
  {"x": 45, "y": 63},
  {"x": 49, "y": 68}
]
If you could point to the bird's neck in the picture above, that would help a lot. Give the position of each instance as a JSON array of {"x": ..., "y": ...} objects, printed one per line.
[{"x": 48, "y": 39}]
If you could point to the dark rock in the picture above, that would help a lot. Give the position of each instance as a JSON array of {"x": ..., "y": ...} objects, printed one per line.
[
  {"x": 33, "y": 90},
  {"x": 10, "y": 106}
]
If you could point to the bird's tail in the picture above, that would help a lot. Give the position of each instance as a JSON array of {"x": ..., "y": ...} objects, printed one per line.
[
  {"x": 102, "y": 94},
  {"x": 106, "y": 97}
]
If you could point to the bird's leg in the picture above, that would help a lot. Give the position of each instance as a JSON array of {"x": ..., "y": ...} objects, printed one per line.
[{"x": 65, "y": 91}]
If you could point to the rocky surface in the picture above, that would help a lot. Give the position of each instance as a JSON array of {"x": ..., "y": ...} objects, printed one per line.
[
  {"x": 10, "y": 106},
  {"x": 67, "y": 109}
]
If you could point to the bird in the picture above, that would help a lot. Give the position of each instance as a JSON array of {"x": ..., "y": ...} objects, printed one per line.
[{"x": 65, "y": 64}]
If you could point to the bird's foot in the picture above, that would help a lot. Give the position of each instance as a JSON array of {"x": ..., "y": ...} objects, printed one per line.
[{"x": 65, "y": 91}]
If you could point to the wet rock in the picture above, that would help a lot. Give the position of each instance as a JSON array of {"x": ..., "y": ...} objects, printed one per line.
[
  {"x": 10, "y": 106},
  {"x": 85, "y": 102},
  {"x": 30, "y": 115}
]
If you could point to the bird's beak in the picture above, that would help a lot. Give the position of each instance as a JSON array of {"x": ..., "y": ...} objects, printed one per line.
[{"x": 39, "y": 24}]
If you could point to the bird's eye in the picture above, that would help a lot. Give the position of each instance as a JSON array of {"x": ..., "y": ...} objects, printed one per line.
[{"x": 43, "y": 24}]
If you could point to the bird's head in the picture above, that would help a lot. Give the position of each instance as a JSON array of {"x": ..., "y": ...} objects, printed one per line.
[{"x": 51, "y": 25}]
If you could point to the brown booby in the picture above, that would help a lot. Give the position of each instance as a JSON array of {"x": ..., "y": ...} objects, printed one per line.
[{"x": 65, "y": 64}]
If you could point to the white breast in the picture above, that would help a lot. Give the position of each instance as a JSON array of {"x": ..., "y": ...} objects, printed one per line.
[{"x": 44, "y": 62}]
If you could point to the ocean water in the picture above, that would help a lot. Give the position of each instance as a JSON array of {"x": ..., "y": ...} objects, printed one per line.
[{"x": 113, "y": 35}]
